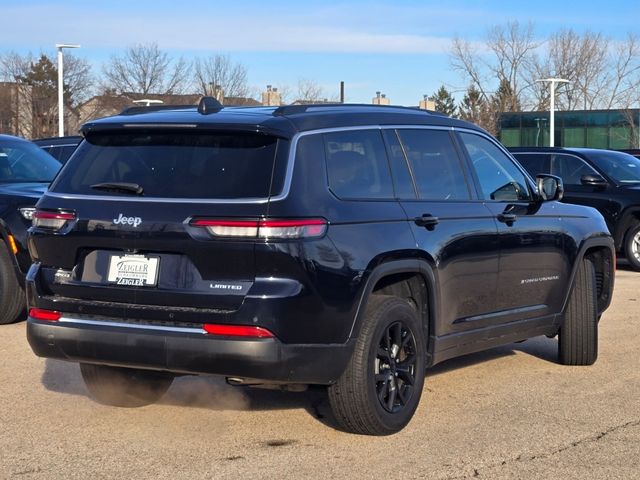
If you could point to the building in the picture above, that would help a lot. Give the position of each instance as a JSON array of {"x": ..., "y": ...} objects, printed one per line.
[
  {"x": 271, "y": 97},
  {"x": 427, "y": 103},
  {"x": 380, "y": 99},
  {"x": 16, "y": 109},
  {"x": 612, "y": 129}
]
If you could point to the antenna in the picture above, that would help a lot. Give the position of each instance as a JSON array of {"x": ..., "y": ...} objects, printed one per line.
[{"x": 209, "y": 105}]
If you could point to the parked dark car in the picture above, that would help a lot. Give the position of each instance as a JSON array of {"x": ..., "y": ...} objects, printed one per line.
[
  {"x": 25, "y": 172},
  {"x": 604, "y": 179},
  {"x": 632, "y": 151},
  {"x": 59, "y": 148},
  {"x": 350, "y": 246}
]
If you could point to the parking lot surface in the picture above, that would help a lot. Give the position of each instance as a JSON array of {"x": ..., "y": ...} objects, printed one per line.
[{"x": 510, "y": 412}]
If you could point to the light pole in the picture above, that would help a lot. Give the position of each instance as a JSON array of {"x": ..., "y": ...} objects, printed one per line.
[
  {"x": 552, "y": 125},
  {"x": 60, "y": 46}
]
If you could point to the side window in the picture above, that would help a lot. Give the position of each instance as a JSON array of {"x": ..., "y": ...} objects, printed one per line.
[
  {"x": 498, "y": 176},
  {"x": 436, "y": 167},
  {"x": 534, "y": 163},
  {"x": 357, "y": 165},
  {"x": 402, "y": 181},
  {"x": 570, "y": 169}
]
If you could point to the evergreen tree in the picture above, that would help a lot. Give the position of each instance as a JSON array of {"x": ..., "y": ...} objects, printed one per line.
[
  {"x": 43, "y": 79},
  {"x": 444, "y": 102}
]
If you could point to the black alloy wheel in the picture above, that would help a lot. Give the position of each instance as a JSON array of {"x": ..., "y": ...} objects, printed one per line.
[{"x": 395, "y": 367}]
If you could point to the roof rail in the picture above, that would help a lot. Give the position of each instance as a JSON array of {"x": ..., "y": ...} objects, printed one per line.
[
  {"x": 294, "y": 109},
  {"x": 153, "y": 108},
  {"x": 209, "y": 105}
]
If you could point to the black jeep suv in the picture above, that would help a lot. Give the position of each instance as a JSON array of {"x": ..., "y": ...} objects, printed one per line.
[
  {"x": 340, "y": 245},
  {"x": 25, "y": 172},
  {"x": 603, "y": 179}
]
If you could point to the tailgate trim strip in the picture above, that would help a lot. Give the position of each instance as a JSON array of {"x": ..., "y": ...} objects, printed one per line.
[{"x": 103, "y": 323}]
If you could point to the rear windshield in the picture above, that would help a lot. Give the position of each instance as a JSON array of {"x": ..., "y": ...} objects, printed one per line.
[{"x": 172, "y": 165}]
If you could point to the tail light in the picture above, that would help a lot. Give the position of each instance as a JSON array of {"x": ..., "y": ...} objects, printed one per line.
[
  {"x": 271, "y": 228},
  {"x": 48, "y": 315},
  {"x": 51, "y": 220},
  {"x": 246, "y": 331}
]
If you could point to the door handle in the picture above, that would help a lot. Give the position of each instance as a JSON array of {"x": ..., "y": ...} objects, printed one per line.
[
  {"x": 507, "y": 218},
  {"x": 427, "y": 221}
]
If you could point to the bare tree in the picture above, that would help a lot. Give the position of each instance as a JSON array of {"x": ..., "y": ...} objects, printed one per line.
[
  {"x": 221, "y": 71},
  {"x": 512, "y": 48},
  {"x": 308, "y": 91},
  {"x": 144, "y": 68}
]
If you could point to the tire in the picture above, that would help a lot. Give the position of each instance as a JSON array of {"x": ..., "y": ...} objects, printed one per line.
[
  {"x": 12, "y": 298},
  {"x": 124, "y": 387},
  {"x": 363, "y": 400},
  {"x": 632, "y": 247},
  {"x": 578, "y": 336}
]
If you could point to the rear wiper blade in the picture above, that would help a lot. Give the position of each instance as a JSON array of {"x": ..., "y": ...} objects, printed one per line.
[{"x": 123, "y": 187}]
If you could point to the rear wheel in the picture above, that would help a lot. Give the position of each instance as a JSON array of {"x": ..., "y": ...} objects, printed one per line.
[
  {"x": 380, "y": 389},
  {"x": 632, "y": 247},
  {"x": 124, "y": 387},
  {"x": 578, "y": 337},
  {"x": 12, "y": 301}
]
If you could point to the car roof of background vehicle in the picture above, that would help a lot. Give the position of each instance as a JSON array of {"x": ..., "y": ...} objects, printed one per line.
[
  {"x": 581, "y": 151},
  {"x": 13, "y": 139},
  {"x": 58, "y": 141},
  {"x": 280, "y": 121}
]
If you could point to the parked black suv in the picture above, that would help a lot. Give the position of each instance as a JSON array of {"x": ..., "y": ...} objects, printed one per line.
[
  {"x": 25, "y": 172},
  {"x": 604, "y": 179},
  {"x": 340, "y": 245}
]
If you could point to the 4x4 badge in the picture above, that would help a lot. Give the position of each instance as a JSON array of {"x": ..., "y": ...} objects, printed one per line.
[{"x": 122, "y": 220}]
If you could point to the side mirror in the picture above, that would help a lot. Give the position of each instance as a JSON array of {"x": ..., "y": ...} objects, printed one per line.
[
  {"x": 549, "y": 187},
  {"x": 593, "y": 180}
]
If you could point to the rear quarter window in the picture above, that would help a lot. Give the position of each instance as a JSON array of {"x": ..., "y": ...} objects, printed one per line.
[
  {"x": 174, "y": 164},
  {"x": 357, "y": 165}
]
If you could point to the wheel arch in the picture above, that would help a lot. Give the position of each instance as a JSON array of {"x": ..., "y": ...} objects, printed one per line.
[
  {"x": 413, "y": 279},
  {"x": 601, "y": 252},
  {"x": 630, "y": 217}
]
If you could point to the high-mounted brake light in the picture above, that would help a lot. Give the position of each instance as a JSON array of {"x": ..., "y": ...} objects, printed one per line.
[
  {"x": 272, "y": 228},
  {"x": 246, "y": 331},
  {"x": 48, "y": 315},
  {"x": 51, "y": 220}
]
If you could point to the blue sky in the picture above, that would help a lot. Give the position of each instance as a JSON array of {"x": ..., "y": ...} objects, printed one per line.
[{"x": 398, "y": 47}]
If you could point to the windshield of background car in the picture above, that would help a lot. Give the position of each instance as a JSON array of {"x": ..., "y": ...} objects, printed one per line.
[
  {"x": 622, "y": 167},
  {"x": 171, "y": 164},
  {"x": 25, "y": 162}
]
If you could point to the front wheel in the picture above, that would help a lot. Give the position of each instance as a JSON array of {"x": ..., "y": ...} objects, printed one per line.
[
  {"x": 124, "y": 387},
  {"x": 578, "y": 336},
  {"x": 632, "y": 247},
  {"x": 380, "y": 389},
  {"x": 12, "y": 300}
]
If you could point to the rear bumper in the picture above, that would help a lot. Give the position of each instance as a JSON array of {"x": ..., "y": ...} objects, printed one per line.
[{"x": 184, "y": 351}]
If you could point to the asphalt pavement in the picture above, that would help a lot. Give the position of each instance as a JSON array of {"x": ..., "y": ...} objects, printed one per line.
[{"x": 511, "y": 412}]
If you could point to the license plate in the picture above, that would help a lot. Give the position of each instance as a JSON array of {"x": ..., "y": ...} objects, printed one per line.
[{"x": 135, "y": 270}]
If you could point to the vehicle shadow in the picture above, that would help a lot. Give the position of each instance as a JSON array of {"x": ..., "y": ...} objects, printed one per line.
[{"x": 213, "y": 393}]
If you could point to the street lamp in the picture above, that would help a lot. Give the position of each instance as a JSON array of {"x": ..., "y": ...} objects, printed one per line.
[
  {"x": 552, "y": 124},
  {"x": 60, "y": 46}
]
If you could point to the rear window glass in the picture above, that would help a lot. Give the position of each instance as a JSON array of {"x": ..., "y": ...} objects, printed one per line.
[
  {"x": 173, "y": 165},
  {"x": 357, "y": 165}
]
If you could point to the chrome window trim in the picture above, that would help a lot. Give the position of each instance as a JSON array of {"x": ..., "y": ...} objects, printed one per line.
[
  {"x": 293, "y": 148},
  {"x": 103, "y": 323}
]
